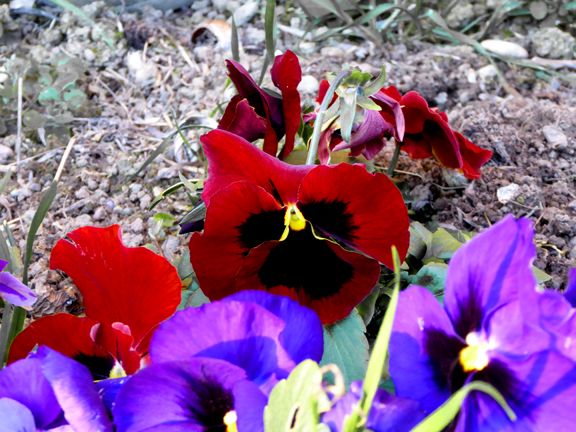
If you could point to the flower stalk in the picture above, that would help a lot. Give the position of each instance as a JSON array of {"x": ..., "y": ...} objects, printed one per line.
[
  {"x": 394, "y": 160},
  {"x": 313, "y": 149}
]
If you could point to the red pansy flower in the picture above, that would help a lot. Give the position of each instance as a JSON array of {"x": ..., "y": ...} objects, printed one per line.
[
  {"x": 127, "y": 293},
  {"x": 277, "y": 227},
  {"x": 255, "y": 113},
  {"x": 429, "y": 135},
  {"x": 370, "y": 130}
]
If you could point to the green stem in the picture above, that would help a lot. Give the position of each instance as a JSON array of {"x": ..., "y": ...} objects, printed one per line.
[
  {"x": 5, "y": 332},
  {"x": 313, "y": 149},
  {"x": 394, "y": 160},
  {"x": 18, "y": 318}
]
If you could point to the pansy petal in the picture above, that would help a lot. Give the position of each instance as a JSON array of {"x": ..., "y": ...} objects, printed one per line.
[
  {"x": 373, "y": 147},
  {"x": 244, "y": 334},
  {"x": 232, "y": 159},
  {"x": 334, "y": 418},
  {"x": 422, "y": 348},
  {"x": 473, "y": 157},
  {"x": 372, "y": 127},
  {"x": 363, "y": 210},
  {"x": 194, "y": 394},
  {"x": 489, "y": 270},
  {"x": 286, "y": 75},
  {"x": 128, "y": 355},
  {"x": 324, "y": 145},
  {"x": 325, "y": 278},
  {"x": 15, "y": 417},
  {"x": 24, "y": 382},
  {"x": 249, "y": 404},
  {"x": 300, "y": 345},
  {"x": 391, "y": 413},
  {"x": 75, "y": 391},
  {"x": 118, "y": 282},
  {"x": 570, "y": 292},
  {"x": 389, "y": 103},
  {"x": 108, "y": 390},
  {"x": 14, "y": 291},
  {"x": 241, "y": 119},
  {"x": 69, "y": 335},
  {"x": 322, "y": 90}
]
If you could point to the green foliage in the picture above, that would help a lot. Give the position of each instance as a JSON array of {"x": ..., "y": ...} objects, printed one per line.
[
  {"x": 295, "y": 404},
  {"x": 346, "y": 346}
]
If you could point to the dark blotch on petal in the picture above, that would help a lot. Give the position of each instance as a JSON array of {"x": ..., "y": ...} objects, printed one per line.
[
  {"x": 331, "y": 217},
  {"x": 216, "y": 402},
  {"x": 260, "y": 228},
  {"x": 99, "y": 367},
  {"x": 318, "y": 270},
  {"x": 445, "y": 350}
]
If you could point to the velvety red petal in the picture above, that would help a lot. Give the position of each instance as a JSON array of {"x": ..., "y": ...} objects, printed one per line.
[
  {"x": 316, "y": 279},
  {"x": 323, "y": 88},
  {"x": 240, "y": 217},
  {"x": 286, "y": 75},
  {"x": 473, "y": 157},
  {"x": 372, "y": 128},
  {"x": 241, "y": 119},
  {"x": 133, "y": 286},
  {"x": 127, "y": 353},
  {"x": 373, "y": 147},
  {"x": 325, "y": 143},
  {"x": 69, "y": 335},
  {"x": 232, "y": 159},
  {"x": 392, "y": 92},
  {"x": 416, "y": 112},
  {"x": 363, "y": 210},
  {"x": 391, "y": 113},
  {"x": 416, "y": 146}
]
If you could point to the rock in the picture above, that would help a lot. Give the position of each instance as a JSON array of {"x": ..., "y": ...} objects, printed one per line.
[
  {"x": 508, "y": 193},
  {"x": 254, "y": 36},
  {"x": 219, "y": 4},
  {"x": 92, "y": 184},
  {"x": 459, "y": 14},
  {"x": 137, "y": 226},
  {"x": 100, "y": 214},
  {"x": 504, "y": 48},
  {"x": 554, "y": 43},
  {"x": 555, "y": 137},
  {"x": 27, "y": 216},
  {"x": 89, "y": 55},
  {"x": 144, "y": 72},
  {"x": 132, "y": 240},
  {"x": 572, "y": 205},
  {"x": 170, "y": 245},
  {"x": 127, "y": 211},
  {"x": 82, "y": 193},
  {"x": 441, "y": 98},
  {"x": 487, "y": 73},
  {"x": 21, "y": 194},
  {"x": 135, "y": 187},
  {"x": 454, "y": 178},
  {"x": 308, "y": 85},
  {"x": 83, "y": 220},
  {"x": 245, "y": 12},
  {"x": 145, "y": 202},
  {"x": 35, "y": 187},
  {"x": 332, "y": 52},
  {"x": 6, "y": 153}
]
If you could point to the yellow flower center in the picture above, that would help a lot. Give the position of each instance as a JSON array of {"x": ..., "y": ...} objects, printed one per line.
[
  {"x": 117, "y": 371},
  {"x": 475, "y": 355},
  {"x": 230, "y": 421},
  {"x": 293, "y": 220}
]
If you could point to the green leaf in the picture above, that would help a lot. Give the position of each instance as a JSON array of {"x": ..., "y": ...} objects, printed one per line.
[
  {"x": 234, "y": 45},
  {"x": 294, "y": 404},
  {"x": 444, "y": 245},
  {"x": 196, "y": 299},
  {"x": 5, "y": 254},
  {"x": 187, "y": 182},
  {"x": 439, "y": 419},
  {"x": 184, "y": 266},
  {"x": 184, "y": 299},
  {"x": 269, "y": 27},
  {"x": 197, "y": 214},
  {"x": 433, "y": 278},
  {"x": 346, "y": 346},
  {"x": 74, "y": 99},
  {"x": 376, "y": 85},
  {"x": 570, "y": 6},
  {"x": 541, "y": 277},
  {"x": 366, "y": 307},
  {"x": 367, "y": 103},
  {"x": 49, "y": 95},
  {"x": 33, "y": 119},
  {"x": 420, "y": 239},
  {"x": 297, "y": 156},
  {"x": 380, "y": 350}
]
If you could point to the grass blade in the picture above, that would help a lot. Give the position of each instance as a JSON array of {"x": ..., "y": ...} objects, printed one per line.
[
  {"x": 269, "y": 29},
  {"x": 376, "y": 85},
  {"x": 5, "y": 332},
  {"x": 439, "y": 419}
]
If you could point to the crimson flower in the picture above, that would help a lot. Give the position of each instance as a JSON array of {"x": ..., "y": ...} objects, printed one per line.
[
  {"x": 370, "y": 129},
  {"x": 278, "y": 227},
  {"x": 256, "y": 113},
  {"x": 127, "y": 293},
  {"x": 429, "y": 135}
]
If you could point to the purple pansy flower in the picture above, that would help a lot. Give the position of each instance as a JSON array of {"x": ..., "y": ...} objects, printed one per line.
[
  {"x": 214, "y": 366},
  {"x": 50, "y": 392},
  {"x": 14, "y": 291},
  {"x": 484, "y": 333},
  {"x": 388, "y": 413}
]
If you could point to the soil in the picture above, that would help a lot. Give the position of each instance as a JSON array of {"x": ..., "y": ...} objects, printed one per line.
[{"x": 126, "y": 118}]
